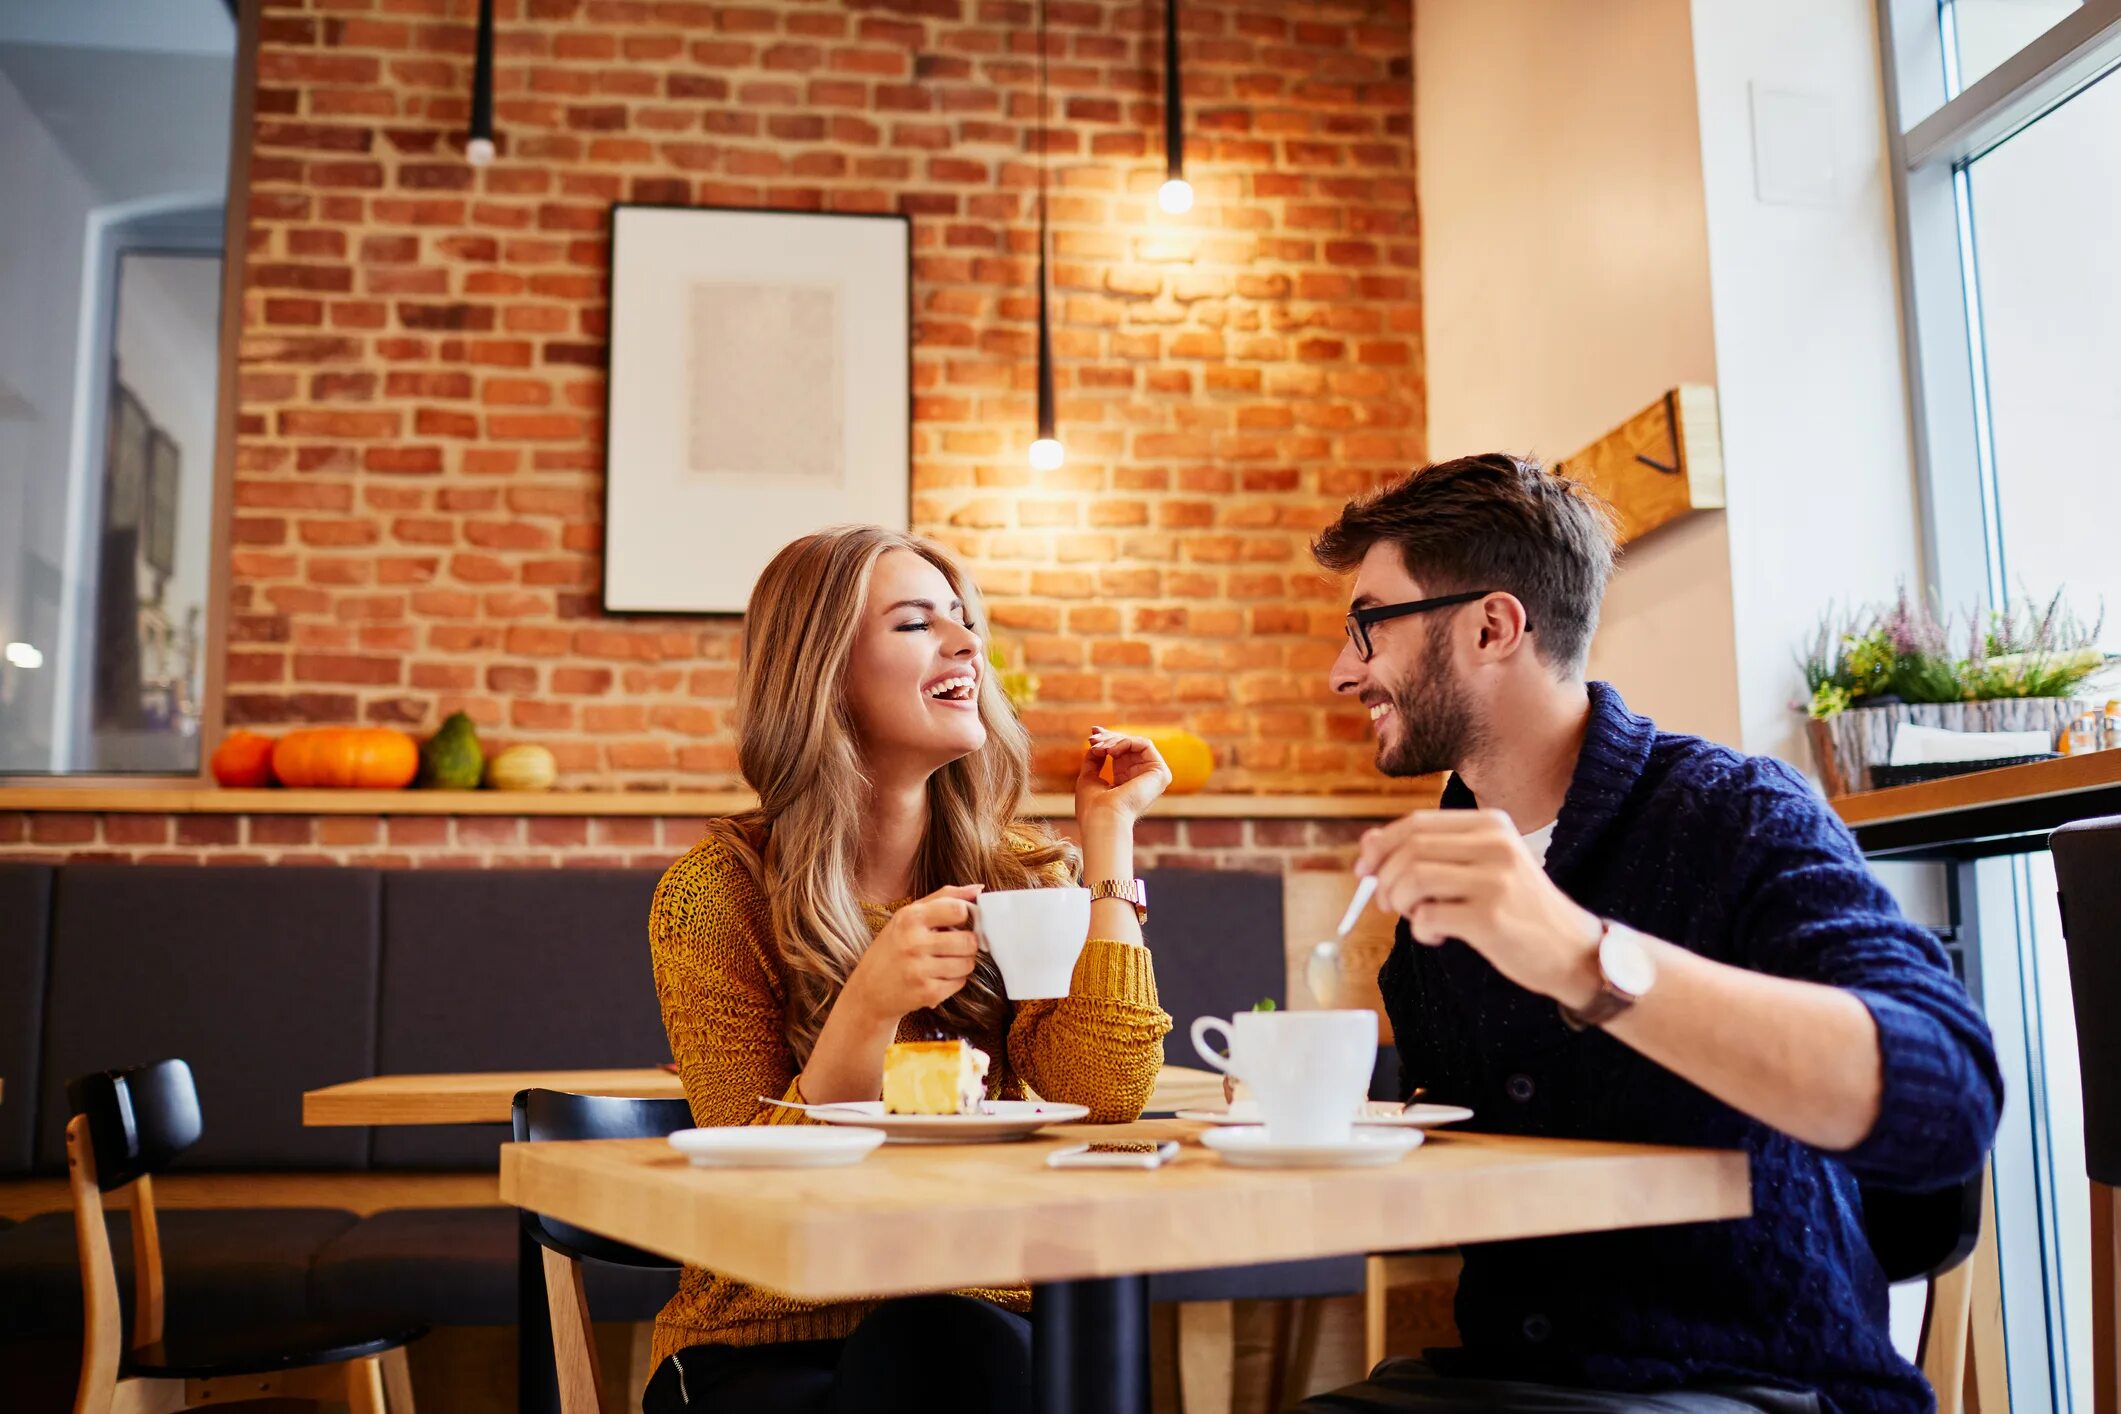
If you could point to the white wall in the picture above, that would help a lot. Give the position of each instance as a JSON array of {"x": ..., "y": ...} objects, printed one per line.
[
  {"x": 1819, "y": 471},
  {"x": 1565, "y": 270}
]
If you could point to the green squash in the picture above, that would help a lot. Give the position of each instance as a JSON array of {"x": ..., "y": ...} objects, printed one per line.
[{"x": 451, "y": 759}]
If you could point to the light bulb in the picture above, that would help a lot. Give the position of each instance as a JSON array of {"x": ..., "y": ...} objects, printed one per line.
[
  {"x": 25, "y": 655},
  {"x": 479, "y": 151},
  {"x": 1176, "y": 196},
  {"x": 1046, "y": 454}
]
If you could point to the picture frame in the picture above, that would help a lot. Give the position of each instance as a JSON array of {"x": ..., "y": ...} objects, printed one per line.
[{"x": 760, "y": 389}]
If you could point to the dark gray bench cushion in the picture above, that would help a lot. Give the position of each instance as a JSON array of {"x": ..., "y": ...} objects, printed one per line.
[
  {"x": 1216, "y": 935},
  {"x": 221, "y": 1267},
  {"x": 457, "y": 1267},
  {"x": 1264, "y": 1281},
  {"x": 505, "y": 969},
  {"x": 265, "y": 981},
  {"x": 25, "y": 932}
]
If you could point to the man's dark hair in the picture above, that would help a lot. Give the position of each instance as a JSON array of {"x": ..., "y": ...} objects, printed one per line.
[{"x": 1492, "y": 522}]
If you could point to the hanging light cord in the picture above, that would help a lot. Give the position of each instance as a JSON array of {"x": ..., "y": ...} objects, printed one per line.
[{"x": 1045, "y": 337}]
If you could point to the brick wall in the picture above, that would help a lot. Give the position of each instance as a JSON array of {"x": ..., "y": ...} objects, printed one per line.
[{"x": 420, "y": 445}]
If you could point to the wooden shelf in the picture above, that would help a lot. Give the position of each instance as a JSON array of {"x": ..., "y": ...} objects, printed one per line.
[
  {"x": 2007, "y": 810},
  {"x": 211, "y": 800}
]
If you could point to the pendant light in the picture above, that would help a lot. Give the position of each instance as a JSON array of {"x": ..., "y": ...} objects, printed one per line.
[
  {"x": 479, "y": 151},
  {"x": 1176, "y": 194},
  {"x": 1046, "y": 453}
]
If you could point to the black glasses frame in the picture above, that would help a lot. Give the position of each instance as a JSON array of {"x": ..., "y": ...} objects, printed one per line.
[{"x": 1360, "y": 620}]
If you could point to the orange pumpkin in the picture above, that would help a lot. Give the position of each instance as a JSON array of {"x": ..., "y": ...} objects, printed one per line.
[
  {"x": 1191, "y": 760},
  {"x": 347, "y": 758},
  {"x": 243, "y": 760}
]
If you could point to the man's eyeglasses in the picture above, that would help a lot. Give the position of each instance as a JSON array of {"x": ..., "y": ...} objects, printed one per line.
[{"x": 1360, "y": 620}]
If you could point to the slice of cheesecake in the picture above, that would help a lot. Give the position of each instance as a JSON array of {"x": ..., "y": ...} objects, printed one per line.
[{"x": 934, "y": 1078}]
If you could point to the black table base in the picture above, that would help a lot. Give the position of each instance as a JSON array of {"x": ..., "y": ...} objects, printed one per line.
[{"x": 1090, "y": 1346}]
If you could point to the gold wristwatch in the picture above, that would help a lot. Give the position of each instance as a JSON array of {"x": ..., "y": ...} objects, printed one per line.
[{"x": 1132, "y": 891}]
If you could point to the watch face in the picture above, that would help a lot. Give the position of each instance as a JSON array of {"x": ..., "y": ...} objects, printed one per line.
[{"x": 1625, "y": 961}]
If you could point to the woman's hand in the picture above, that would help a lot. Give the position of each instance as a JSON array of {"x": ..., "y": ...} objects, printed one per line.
[
  {"x": 1139, "y": 776},
  {"x": 919, "y": 959}
]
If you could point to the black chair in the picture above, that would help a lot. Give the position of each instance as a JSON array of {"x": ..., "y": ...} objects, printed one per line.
[
  {"x": 1928, "y": 1237},
  {"x": 127, "y": 1125},
  {"x": 552, "y": 1114},
  {"x": 1218, "y": 936},
  {"x": 2088, "y": 878}
]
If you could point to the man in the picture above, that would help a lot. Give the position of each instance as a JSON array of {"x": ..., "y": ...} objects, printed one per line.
[{"x": 1612, "y": 932}]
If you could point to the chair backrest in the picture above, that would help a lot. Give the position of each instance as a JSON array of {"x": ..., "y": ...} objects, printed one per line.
[
  {"x": 554, "y": 1114},
  {"x": 1922, "y": 1234},
  {"x": 2088, "y": 878},
  {"x": 1217, "y": 938},
  {"x": 138, "y": 1119}
]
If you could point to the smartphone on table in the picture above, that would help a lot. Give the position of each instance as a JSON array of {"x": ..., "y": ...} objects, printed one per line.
[{"x": 1115, "y": 1154}]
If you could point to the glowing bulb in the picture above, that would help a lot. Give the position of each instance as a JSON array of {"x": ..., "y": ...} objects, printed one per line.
[
  {"x": 1046, "y": 454},
  {"x": 1176, "y": 196},
  {"x": 25, "y": 655},
  {"x": 479, "y": 151}
]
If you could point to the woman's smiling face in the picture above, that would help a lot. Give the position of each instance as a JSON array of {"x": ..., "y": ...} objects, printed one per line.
[{"x": 914, "y": 678}]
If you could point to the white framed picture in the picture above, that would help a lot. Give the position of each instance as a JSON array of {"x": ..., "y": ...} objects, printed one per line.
[{"x": 760, "y": 389}]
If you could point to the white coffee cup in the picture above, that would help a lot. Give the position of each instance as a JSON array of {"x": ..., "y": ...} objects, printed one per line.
[
  {"x": 1309, "y": 1070},
  {"x": 1035, "y": 936}
]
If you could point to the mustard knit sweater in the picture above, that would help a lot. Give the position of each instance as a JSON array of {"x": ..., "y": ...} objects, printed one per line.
[{"x": 719, "y": 977}]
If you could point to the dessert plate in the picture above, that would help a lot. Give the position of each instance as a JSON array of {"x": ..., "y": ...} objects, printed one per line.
[
  {"x": 1249, "y": 1147},
  {"x": 1375, "y": 1114},
  {"x": 997, "y": 1121},
  {"x": 775, "y": 1146}
]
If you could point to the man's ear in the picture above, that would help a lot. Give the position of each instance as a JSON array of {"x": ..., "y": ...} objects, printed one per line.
[{"x": 1502, "y": 618}]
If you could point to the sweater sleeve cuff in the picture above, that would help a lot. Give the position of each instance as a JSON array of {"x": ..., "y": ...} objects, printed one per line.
[
  {"x": 1927, "y": 1133},
  {"x": 1115, "y": 971},
  {"x": 774, "y": 1114}
]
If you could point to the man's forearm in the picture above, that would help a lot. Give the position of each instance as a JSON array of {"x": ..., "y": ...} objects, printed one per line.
[{"x": 1800, "y": 1057}]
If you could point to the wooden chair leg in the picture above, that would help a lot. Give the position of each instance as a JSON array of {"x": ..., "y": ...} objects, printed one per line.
[
  {"x": 1946, "y": 1326},
  {"x": 364, "y": 1386},
  {"x": 397, "y": 1380},
  {"x": 574, "y": 1346},
  {"x": 1303, "y": 1349},
  {"x": 1990, "y": 1382},
  {"x": 1207, "y": 1356},
  {"x": 1376, "y": 1284},
  {"x": 2106, "y": 1299}
]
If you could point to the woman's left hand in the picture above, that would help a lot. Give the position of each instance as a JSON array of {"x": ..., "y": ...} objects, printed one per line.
[{"x": 1139, "y": 776}]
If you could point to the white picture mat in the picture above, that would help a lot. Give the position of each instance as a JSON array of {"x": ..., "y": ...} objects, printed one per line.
[{"x": 677, "y": 540}]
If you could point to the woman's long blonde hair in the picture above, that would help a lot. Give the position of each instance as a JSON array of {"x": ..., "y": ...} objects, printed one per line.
[{"x": 797, "y": 748}]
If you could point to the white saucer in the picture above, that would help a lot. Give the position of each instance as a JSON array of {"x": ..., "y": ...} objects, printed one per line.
[
  {"x": 1248, "y": 1147},
  {"x": 775, "y": 1146},
  {"x": 997, "y": 1121},
  {"x": 1375, "y": 1114}
]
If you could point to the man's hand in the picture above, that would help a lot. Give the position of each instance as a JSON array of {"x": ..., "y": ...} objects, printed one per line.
[{"x": 1466, "y": 874}]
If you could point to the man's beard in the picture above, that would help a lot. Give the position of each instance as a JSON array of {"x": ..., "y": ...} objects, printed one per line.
[{"x": 1436, "y": 728}]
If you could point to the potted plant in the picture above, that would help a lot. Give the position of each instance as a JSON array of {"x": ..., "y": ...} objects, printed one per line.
[{"x": 2017, "y": 668}]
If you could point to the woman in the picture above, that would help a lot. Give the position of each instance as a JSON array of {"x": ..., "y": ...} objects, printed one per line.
[{"x": 796, "y": 943}]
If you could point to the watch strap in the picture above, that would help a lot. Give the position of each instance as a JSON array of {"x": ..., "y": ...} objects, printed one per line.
[
  {"x": 1131, "y": 891},
  {"x": 1610, "y": 1002}
]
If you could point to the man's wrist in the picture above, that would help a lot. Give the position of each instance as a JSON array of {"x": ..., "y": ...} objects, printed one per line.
[{"x": 1583, "y": 982}]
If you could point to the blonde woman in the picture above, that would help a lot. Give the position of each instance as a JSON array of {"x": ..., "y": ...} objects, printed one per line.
[{"x": 799, "y": 941}]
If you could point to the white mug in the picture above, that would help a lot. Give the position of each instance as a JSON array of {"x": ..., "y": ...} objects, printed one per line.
[
  {"x": 1309, "y": 1070},
  {"x": 1035, "y": 936}
]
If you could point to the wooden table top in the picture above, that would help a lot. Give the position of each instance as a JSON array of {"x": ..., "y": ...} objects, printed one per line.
[
  {"x": 2006, "y": 810},
  {"x": 914, "y": 1218},
  {"x": 483, "y": 1097}
]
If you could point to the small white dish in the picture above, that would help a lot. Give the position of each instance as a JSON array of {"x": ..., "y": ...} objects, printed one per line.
[
  {"x": 998, "y": 1121},
  {"x": 775, "y": 1146},
  {"x": 1249, "y": 1147},
  {"x": 1376, "y": 1114}
]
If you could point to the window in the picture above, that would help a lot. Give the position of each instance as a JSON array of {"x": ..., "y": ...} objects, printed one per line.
[
  {"x": 2007, "y": 126},
  {"x": 115, "y": 120}
]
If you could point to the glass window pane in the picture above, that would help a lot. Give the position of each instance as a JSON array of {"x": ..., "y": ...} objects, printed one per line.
[
  {"x": 114, "y": 139},
  {"x": 2046, "y": 206},
  {"x": 1990, "y": 31}
]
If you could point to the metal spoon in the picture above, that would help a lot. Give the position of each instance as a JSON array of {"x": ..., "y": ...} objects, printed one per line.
[{"x": 1322, "y": 971}]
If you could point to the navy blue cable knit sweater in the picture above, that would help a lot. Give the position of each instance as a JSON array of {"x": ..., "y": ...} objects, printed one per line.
[{"x": 1738, "y": 859}]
